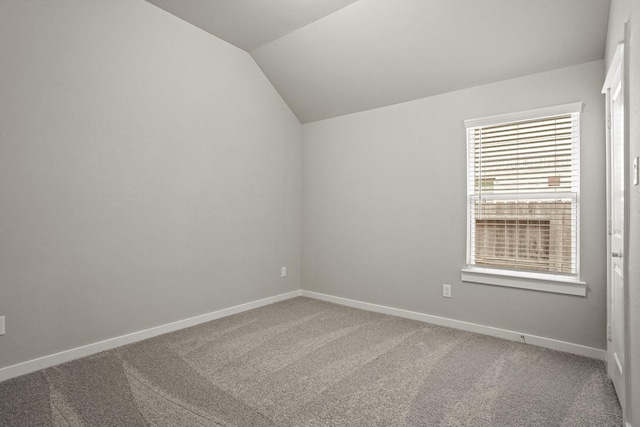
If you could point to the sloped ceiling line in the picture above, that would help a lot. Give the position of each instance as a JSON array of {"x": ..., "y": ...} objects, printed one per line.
[{"x": 328, "y": 58}]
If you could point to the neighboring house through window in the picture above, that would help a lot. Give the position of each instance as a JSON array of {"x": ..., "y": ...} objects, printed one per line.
[{"x": 523, "y": 198}]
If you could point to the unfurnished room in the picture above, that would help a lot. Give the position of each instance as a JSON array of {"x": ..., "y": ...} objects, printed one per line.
[{"x": 320, "y": 213}]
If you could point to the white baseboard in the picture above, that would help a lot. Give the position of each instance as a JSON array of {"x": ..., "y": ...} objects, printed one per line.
[
  {"x": 566, "y": 347},
  {"x": 87, "y": 350}
]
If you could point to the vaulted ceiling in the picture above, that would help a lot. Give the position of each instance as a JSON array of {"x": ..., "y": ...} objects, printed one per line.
[{"x": 328, "y": 58}]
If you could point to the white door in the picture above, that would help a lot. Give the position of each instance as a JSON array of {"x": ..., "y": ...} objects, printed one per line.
[{"x": 616, "y": 282}]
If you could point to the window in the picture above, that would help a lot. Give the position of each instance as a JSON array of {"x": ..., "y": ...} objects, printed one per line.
[{"x": 523, "y": 194}]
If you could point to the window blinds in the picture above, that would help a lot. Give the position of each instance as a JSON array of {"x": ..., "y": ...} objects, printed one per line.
[{"x": 523, "y": 193}]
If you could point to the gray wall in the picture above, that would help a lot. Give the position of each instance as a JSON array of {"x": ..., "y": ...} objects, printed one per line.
[
  {"x": 384, "y": 207},
  {"x": 621, "y": 12},
  {"x": 149, "y": 172}
]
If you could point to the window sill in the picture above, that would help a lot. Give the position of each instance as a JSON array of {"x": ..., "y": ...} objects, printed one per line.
[{"x": 522, "y": 280}]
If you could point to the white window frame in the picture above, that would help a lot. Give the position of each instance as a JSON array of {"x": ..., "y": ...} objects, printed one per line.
[{"x": 547, "y": 282}]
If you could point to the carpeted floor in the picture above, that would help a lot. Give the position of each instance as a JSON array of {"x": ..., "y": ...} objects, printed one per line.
[{"x": 304, "y": 362}]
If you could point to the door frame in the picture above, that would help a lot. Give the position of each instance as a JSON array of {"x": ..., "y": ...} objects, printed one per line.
[{"x": 620, "y": 60}]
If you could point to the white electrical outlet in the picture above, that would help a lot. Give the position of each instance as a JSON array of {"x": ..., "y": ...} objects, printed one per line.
[
  {"x": 283, "y": 272},
  {"x": 446, "y": 291},
  {"x": 1, "y": 325}
]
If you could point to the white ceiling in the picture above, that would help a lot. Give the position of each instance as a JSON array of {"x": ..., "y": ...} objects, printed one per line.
[
  {"x": 327, "y": 58},
  {"x": 249, "y": 24}
]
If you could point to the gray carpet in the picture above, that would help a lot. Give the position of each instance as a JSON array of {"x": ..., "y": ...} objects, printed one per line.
[{"x": 304, "y": 362}]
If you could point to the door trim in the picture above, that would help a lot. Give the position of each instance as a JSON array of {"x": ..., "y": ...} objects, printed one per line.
[{"x": 620, "y": 61}]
